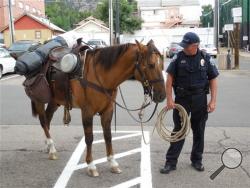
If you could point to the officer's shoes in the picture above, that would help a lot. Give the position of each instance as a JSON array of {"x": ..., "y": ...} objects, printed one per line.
[
  {"x": 167, "y": 168},
  {"x": 198, "y": 166}
]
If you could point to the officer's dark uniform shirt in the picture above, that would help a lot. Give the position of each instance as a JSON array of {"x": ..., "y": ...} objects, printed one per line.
[{"x": 192, "y": 72}]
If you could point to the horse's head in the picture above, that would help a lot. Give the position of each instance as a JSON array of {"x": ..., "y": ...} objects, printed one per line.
[{"x": 149, "y": 72}]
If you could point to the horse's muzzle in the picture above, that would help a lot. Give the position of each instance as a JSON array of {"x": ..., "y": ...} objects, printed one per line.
[{"x": 159, "y": 96}]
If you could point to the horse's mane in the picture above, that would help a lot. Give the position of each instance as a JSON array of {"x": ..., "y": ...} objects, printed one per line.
[{"x": 108, "y": 56}]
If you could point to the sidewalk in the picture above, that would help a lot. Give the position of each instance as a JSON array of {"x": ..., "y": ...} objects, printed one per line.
[{"x": 242, "y": 53}]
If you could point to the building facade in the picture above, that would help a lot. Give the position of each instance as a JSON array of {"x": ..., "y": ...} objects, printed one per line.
[
  {"x": 169, "y": 13},
  {"x": 30, "y": 27},
  {"x": 19, "y": 7},
  {"x": 92, "y": 28}
]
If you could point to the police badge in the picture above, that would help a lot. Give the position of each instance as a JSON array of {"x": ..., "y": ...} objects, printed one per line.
[{"x": 202, "y": 62}]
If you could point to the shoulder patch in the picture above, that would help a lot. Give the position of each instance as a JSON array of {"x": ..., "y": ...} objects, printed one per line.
[{"x": 174, "y": 59}]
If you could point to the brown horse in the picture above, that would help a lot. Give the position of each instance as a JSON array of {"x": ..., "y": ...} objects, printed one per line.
[{"x": 106, "y": 69}]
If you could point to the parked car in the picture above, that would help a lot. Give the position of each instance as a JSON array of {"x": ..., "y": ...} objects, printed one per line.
[
  {"x": 2, "y": 45},
  {"x": 21, "y": 46},
  {"x": 97, "y": 43},
  {"x": 210, "y": 49},
  {"x": 173, "y": 49},
  {"x": 7, "y": 63}
]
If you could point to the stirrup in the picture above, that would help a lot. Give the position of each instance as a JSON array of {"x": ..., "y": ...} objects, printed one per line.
[{"x": 66, "y": 117}]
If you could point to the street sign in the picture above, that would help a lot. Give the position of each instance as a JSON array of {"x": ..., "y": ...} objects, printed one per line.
[
  {"x": 245, "y": 38},
  {"x": 236, "y": 12},
  {"x": 229, "y": 27},
  {"x": 237, "y": 19}
]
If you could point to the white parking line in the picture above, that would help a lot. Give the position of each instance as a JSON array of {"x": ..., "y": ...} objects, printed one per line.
[
  {"x": 104, "y": 159},
  {"x": 164, "y": 75},
  {"x": 9, "y": 77},
  {"x": 129, "y": 183},
  {"x": 145, "y": 163},
  {"x": 146, "y": 178},
  {"x": 67, "y": 171}
]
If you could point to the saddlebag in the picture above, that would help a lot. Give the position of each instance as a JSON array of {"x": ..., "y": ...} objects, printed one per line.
[{"x": 37, "y": 87}]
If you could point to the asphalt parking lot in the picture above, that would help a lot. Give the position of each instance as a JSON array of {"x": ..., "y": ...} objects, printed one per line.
[{"x": 24, "y": 161}]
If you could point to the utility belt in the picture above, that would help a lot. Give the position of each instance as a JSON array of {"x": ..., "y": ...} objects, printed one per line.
[{"x": 183, "y": 92}]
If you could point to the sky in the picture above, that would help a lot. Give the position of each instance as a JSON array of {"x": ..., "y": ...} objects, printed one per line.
[{"x": 205, "y": 2}]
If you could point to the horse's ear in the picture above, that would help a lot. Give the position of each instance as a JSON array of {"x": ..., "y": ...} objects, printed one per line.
[
  {"x": 150, "y": 42},
  {"x": 138, "y": 44}
]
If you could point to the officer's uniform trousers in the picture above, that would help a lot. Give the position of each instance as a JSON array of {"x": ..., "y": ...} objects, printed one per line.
[{"x": 196, "y": 105}]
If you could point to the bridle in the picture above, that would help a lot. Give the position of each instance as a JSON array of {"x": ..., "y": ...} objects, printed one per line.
[{"x": 147, "y": 84}]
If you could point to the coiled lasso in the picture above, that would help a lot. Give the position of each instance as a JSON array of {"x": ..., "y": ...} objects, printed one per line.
[{"x": 172, "y": 136}]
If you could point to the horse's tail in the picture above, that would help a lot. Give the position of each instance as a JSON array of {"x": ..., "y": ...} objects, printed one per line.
[{"x": 33, "y": 107}]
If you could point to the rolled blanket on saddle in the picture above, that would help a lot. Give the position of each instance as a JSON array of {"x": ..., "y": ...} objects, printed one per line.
[{"x": 31, "y": 62}]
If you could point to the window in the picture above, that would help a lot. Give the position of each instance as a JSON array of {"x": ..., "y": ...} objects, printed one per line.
[
  {"x": 27, "y": 7},
  {"x": 39, "y": 12},
  {"x": 20, "y": 4},
  {"x": 34, "y": 10},
  {"x": 37, "y": 34},
  {"x": 12, "y": 2}
]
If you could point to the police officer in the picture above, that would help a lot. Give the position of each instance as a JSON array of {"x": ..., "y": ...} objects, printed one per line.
[{"x": 191, "y": 74}]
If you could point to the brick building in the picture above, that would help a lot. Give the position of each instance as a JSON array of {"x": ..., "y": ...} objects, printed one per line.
[{"x": 19, "y": 7}]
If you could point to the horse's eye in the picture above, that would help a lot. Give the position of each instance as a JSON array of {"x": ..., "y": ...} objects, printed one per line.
[{"x": 151, "y": 66}]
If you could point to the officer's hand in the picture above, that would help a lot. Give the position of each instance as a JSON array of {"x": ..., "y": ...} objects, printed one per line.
[
  {"x": 211, "y": 106},
  {"x": 170, "y": 104}
]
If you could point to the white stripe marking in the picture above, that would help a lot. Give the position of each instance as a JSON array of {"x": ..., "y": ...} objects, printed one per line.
[
  {"x": 118, "y": 138},
  {"x": 68, "y": 170},
  {"x": 129, "y": 183},
  {"x": 73, "y": 161},
  {"x": 104, "y": 159},
  {"x": 146, "y": 175},
  {"x": 164, "y": 75}
]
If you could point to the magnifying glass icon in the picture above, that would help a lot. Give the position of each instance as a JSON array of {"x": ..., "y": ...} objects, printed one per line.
[{"x": 231, "y": 158}]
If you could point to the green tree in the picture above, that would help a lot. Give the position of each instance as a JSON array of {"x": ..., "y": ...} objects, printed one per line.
[
  {"x": 129, "y": 22},
  {"x": 207, "y": 16},
  {"x": 63, "y": 15}
]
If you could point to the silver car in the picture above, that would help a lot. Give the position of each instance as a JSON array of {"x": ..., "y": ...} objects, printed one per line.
[
  {"x": 97, "y": 43},
  {"x": 7, "y": 63}
]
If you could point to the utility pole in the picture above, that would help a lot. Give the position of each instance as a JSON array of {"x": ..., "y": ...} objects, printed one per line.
[
  {"x": 117, "y": 22},
  {"x": 11, "y": 25},
  {"x": 216, "y": 24},
  {"x": 237, "y": 45},
  {"x": 111, "y": 22},
  {"x": 237, "y": 18},
  {"x": 248, "y": 25}
]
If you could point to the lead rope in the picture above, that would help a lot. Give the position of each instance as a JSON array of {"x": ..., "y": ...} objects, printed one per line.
[
  {"x": 141, "y": 113},
  {"x": 173, "y": 136}
]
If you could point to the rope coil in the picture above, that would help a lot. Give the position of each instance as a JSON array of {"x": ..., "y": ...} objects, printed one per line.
[{"x": 173, "y": 136}]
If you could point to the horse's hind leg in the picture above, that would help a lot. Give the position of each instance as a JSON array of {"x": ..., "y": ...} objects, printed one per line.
[
  {"x": 50, "y": 110},
  {"x": 88, "y": 131},
  {"x": 40, "y": 108},
  {"x": 106, "y": 119}
]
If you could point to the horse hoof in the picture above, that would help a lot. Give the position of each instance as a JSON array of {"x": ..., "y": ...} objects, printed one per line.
[
  {"x": 92, "y": 173},
  {"x": 116, "y": 170},
  {"x": 53, "y": 156}
]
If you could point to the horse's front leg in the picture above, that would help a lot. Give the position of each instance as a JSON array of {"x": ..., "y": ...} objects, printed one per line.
[
  {"x": 88, "y": 131},
  {"x": 106, "y": 119}
]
